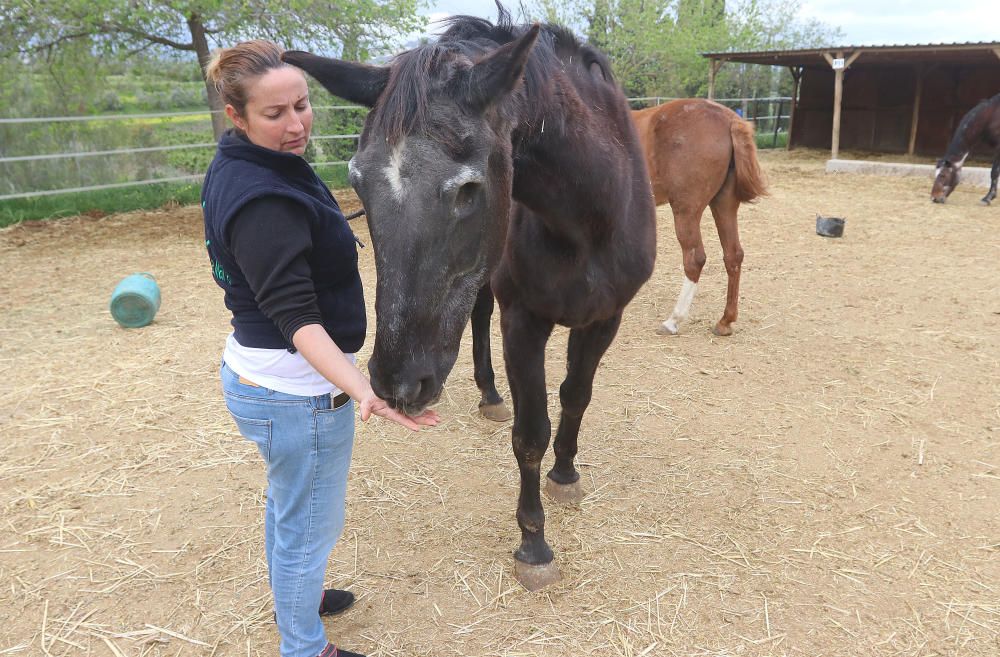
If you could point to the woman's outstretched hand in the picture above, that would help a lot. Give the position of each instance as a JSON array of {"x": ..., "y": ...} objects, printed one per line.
[{"x": 373, "y": 404}]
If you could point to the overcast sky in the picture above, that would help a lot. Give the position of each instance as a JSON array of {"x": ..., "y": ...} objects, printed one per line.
[{"x": 870, "y": 22}]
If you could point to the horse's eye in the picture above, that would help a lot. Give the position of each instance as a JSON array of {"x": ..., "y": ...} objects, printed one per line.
[{"x": 465, "y": 199}]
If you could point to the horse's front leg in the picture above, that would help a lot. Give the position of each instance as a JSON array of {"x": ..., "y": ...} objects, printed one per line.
[
  {"x": 586, "y": 347},
  {"x": 994, "y": 173},
  {"x": 491, "y": 403},
  {"x": 524, "y": 339}
]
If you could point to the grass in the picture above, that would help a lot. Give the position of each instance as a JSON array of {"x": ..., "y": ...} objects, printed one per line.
[
  {"x": 767, "y": 140},
  {"x": 101, "y": 202}
]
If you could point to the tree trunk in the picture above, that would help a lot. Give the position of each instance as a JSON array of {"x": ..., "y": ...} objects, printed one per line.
[{"x": 215, "y": 103}]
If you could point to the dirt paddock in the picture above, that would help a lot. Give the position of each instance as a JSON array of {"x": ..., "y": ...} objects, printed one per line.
[{"x": 824, "y": 482}]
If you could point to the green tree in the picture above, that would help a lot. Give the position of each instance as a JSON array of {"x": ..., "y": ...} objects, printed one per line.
[
  {"x": 655, "y": 46},
  {"x": 629, "y": 32},
  {"x": 120, "y": 28}
]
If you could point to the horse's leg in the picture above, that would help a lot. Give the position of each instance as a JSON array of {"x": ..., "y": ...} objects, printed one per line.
[
  {"x": 524, "y": 338},
  {"x": 491, "y": 403},
  {"x": 725, "y": 207},
  {"x": 686, "y": 224},
  {"x": 994, "y": 174},
  {"x": 586, "y": 347}
]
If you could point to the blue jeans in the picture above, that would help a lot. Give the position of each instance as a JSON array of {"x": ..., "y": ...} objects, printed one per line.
[{"x": 306, "y": 446}]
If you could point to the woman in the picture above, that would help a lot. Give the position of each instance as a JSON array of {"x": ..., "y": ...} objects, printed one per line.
[{"x": 283, "y": 253}]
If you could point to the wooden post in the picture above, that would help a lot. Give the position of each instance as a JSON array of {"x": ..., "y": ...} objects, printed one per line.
[
  {"x": 796, "y": 78},
  {"x": 777, "y": 120},
  {"x": 711, "y": 79},
  {"x": 713, "y": 67},
  {"x": 838, "y": 95},
  {"x": 916, "y": 109}
]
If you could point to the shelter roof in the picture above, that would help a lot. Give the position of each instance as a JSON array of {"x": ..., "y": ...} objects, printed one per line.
[{"x": 973, "y": 53}]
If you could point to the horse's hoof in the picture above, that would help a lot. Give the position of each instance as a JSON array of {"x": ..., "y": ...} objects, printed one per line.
[
  {"x": 564, "y": 493},
  {"x": 535, "y": 578},
  {"x": 722, "y": 331},
  {"x": 984, "y": 203},
  {"x": 495, "y": 412},
  {"x": 667, "y": 328}
]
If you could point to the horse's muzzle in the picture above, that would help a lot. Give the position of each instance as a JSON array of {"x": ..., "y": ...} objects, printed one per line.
[{"x": 409, "y": 392}]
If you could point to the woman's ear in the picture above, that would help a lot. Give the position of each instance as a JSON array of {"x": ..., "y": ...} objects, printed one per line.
[{"x": 236, "y": 118}]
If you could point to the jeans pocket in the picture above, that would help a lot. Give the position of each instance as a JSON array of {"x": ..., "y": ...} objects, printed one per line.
[
  {"x": 256, "y": 431},
  {"x": 335, "y": 426}
]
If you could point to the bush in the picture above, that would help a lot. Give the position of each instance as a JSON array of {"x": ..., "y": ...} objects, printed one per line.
[
  {"x": 110, "y": 102},
  {"x": 182, "y": 97}
]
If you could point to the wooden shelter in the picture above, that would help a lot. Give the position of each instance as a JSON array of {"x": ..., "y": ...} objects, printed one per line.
[{"x": 894, "y": 99}]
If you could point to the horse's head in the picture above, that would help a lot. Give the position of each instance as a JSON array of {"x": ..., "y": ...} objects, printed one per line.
[
  {"x": 434, "y": 172},
  {"x": 945, "y": 179}
]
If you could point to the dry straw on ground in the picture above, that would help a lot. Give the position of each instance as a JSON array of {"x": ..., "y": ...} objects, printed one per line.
[{"x": 824, "y": 482}]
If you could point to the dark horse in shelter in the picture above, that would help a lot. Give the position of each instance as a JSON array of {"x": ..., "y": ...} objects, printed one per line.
[
  {"x": 500, "y": 157},
  {"x": 701, "y": 154},
  {"x": 980, "y": 125}
]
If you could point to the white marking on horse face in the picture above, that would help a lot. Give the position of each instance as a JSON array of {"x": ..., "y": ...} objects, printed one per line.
[
  {"x": 937, "y": 172},
  {"x": 353, "y": 172},
  {"x": 683, "y": 307},
  {"x": 465, "y": 175},
  {"x": 392, "y": 171}
]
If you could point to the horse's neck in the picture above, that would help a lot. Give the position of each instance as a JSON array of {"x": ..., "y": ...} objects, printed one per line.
[
  {"x": 564, "y": 171},
  {"x": 967, "y": 136},
  {"x": 959, "y": 148},
  {"x": 564, "y": 185}
]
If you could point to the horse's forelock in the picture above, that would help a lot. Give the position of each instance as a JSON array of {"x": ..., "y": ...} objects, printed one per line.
[{"x": 403, "y": 106}]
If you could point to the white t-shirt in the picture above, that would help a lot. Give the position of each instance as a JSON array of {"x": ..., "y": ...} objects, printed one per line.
[{"x": 278, "y": 369}]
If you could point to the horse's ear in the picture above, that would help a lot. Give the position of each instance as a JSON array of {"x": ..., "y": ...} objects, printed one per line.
[
  {"x": 498, "y": 73},
  {"x": 358, "y": 83}
]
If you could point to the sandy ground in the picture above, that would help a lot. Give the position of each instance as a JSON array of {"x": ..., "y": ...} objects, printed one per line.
[{"x": 824, "y": 482}]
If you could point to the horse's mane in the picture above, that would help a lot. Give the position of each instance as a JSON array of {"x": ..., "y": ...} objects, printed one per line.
[{"x": 416, "y": 73}]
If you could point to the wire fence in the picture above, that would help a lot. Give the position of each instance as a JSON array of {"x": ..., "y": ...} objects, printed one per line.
[{"x": 155, "y": 161}]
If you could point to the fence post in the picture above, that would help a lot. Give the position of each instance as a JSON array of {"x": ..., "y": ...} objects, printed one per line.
[{"x": 777, "y": 120}]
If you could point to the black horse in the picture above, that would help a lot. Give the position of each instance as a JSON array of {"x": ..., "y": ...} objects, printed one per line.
[
  {"x": 980, "y": 125},
  {"x": 500, "y": 157}
]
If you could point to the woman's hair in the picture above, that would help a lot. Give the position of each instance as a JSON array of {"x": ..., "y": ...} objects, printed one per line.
[{"x": 232, "y": 70}]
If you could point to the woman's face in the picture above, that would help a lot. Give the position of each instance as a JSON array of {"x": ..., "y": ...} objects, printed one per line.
[{"x": 278, "y": 114}]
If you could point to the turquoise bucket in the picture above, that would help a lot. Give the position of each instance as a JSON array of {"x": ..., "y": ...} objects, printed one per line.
[{"x": 135, "y": 300}]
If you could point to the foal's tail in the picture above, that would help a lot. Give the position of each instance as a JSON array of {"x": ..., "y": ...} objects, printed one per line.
[{"x": 750, "y": 180}]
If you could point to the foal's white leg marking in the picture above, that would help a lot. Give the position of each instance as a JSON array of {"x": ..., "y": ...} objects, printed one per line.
[
  {"x": 683, "y": 306},
  {"x": 392, "y": 173}
]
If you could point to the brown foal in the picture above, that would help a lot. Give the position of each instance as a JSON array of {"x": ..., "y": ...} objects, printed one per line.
[{"x": 701, "y": 154}]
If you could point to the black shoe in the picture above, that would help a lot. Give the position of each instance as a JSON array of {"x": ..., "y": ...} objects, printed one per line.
[
  {"x": 332, "y": 651},
  {"x": 335, "y": 601}
]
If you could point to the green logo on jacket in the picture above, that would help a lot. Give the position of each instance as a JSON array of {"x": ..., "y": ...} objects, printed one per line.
[{"x": 218, "y": 271}]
